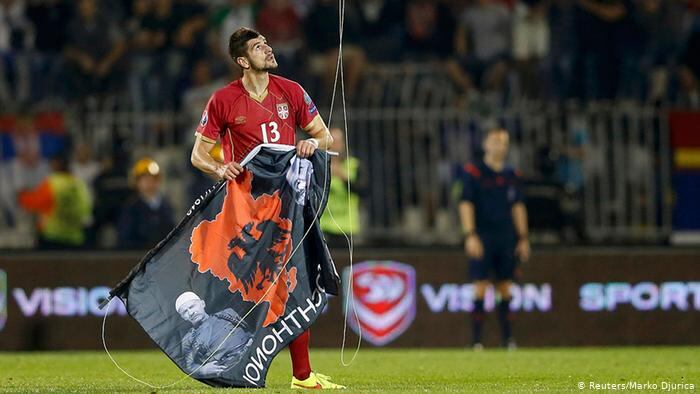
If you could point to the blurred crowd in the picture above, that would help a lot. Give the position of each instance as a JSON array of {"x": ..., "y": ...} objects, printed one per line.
[
  {"x": 168, "y": 56},
  {"x": 155, "y": 54},
  {"x": 55, "y": 193},
  {"x": 73, "y": 200}
]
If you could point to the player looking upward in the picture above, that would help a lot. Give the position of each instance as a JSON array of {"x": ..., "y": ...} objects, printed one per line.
[{"x": 256, "y": 109}]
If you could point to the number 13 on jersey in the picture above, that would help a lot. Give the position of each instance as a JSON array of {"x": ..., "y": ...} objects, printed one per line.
[{"x": 271, "y": 135}]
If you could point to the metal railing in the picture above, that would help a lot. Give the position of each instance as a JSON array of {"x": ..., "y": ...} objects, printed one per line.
[
  {"x": 623, "y": 193},
  {"x": 409, "y": 135}
]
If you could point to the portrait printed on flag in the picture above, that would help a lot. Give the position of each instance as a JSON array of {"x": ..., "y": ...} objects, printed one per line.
[{"x": 216, "y": 342}]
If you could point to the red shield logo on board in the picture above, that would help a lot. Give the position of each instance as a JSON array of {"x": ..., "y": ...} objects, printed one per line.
[
  {"x": 283, "y": 110},
  {"x": 384, "y": 296}
]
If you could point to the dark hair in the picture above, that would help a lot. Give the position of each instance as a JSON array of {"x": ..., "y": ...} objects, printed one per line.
[
  {"x": 495, "y": 129},
  {"x": 238, "y": 42}
]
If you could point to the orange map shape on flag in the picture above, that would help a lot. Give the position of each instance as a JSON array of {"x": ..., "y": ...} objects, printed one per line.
[{"x": 247, "y": 244}]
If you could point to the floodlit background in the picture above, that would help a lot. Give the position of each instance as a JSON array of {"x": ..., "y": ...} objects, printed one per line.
[{"x": 601, "y": 99}]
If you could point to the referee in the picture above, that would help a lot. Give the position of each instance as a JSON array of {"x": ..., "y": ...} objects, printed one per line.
[{"x": 494, "y": 220}]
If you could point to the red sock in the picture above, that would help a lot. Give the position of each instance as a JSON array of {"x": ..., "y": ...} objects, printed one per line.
[{"x": 299, "y": 350}]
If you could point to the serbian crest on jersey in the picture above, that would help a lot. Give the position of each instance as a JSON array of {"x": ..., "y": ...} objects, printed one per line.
[
  {"x": 384, "y": 296},
  {"x": 283, "y": 110}
]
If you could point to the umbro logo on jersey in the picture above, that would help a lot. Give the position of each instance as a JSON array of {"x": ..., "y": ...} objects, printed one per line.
[
  {"x": 283, "y": 110},
  {"x": 239, "y": 120}
]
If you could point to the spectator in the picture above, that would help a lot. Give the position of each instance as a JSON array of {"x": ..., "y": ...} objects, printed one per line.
[
  {"x": 141, "y": 10},
  {"x": 483, "y": 43},
  {"x": 342, "y": 214},
  {"x": 146, "y": 218},
  {"x": 382, "y": 28},
  {"x": 689, "y": 71},
  {"x": 63, "y": 204},
  {"x": 559, "y": 64},
  {"x": 302, "y": 7},
  {"x": 530, "y": 43},
  {"x": 322, "y": 41},
  {"x": 226, "y": 20},
  {"x": 190, "y": 37},
  {"x": 663, "y": 37},
  {"x": 111, "y": 190},
  {"x": 596, "y": 66},
  {"x": 429, "y": 36},
  {"x": 95, "y": 48},
  {"x": 201, "y": 87},
  {"x": 143, "y": 43},
  {"x": 430, "y": 30},
  {"x": 115, "y": 10},
  {"x": 545, "y": 195},
  {"x": 23, "y": 171},
  {"x": 85, "y": 167},
  {"x": 179, "y": 28},
  {"x": 28, "y": 168},
  {"x": 280, "y": 24},
  {"x": 160, "y": 24},
  {"x": 161, "y": 63},
  {"x": 49, "y": 19},
  {"x": 16, "y": 41},
  {"x": 570, "y": 174},
  {"x": 633, "y": 40}
]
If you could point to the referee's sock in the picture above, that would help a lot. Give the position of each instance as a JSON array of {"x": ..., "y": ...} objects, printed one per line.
[
  {"x": 477, "y": 321},
  {"x": 505, "y": 317}
]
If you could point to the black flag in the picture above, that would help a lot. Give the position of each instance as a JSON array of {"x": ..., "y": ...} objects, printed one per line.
[{"x": 239, "y": 245}]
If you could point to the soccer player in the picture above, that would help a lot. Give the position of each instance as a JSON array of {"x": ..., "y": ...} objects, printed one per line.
[
  {"x": 494, "y": 221},
  {"x": 261, "y": 108}
]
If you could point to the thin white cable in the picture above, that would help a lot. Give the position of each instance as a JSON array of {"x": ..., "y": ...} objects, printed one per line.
[
  {"x": 350, "y": 295},
  {"x": 104, "y": 344}
]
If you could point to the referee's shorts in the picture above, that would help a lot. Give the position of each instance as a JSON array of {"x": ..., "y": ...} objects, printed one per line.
[{"x": 498, "y": 263}]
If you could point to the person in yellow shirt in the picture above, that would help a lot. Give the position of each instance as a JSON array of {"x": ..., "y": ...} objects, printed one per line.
[
  {"x": 63, "y": 205},
  {"x": 343, "y": 205}
]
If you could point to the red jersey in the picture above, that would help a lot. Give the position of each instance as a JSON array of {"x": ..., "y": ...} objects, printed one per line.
[{"x": 242, "y": 123}]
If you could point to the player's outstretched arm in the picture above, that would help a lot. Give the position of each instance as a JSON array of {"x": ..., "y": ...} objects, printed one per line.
[{"x": 203, "y": 161}]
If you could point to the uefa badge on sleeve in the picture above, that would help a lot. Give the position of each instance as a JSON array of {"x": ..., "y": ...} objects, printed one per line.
[
  {"x": 384, "y": 296},
  {"x": 283, "y": 110}
]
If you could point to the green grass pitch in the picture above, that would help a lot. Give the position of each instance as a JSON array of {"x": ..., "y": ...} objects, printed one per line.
[{"x": 387, "y": 370}]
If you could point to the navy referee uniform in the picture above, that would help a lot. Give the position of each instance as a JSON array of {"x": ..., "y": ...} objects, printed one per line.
[{"x": 493, "y": 195}]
